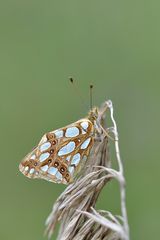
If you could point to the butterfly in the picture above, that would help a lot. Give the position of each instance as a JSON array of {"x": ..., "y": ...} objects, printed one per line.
[{"x": 59, "y": 155}]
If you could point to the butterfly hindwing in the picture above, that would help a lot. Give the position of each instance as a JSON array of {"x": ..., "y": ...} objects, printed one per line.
[{"x": 59, "y": 154}]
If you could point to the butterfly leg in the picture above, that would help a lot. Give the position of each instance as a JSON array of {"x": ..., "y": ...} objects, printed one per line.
[
  {"x": 102, "y": 132},
  {"x": 106, "y": 133}
]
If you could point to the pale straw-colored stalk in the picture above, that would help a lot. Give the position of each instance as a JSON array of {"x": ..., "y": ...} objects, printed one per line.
[{"x": 75, "y": 207}]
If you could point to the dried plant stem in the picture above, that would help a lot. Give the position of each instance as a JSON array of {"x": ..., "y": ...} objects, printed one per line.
[
  {"x": 121, "y": 174},
  {"x": 75, "y": 207}
]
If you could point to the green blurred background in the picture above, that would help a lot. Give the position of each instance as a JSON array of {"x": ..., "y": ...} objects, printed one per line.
[{"x": 114, "y": 44}]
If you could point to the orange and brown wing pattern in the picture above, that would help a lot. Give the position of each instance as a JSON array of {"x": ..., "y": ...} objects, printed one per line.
[{"x": 60, "y": 153}]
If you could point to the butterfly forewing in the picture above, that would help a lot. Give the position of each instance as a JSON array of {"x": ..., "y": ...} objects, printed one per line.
[{"x": 60, "y": 153}]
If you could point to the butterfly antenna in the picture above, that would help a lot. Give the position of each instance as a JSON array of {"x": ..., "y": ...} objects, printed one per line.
[
  {"x": 91, "y": 96},
  {"x": 77, "y": 90}
]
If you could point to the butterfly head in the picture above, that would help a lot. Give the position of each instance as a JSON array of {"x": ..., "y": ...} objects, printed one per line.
[{"x": 93, "y": 114}]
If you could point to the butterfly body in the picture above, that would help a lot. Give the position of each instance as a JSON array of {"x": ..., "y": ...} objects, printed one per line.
[{"x": 60, "y": 153}]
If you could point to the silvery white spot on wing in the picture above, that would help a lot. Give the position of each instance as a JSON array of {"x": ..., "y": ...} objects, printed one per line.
[
  {"x": 44, "y": 156},
  {"x": 68, "y": 148},
  {"x": 85, "y": 143}
]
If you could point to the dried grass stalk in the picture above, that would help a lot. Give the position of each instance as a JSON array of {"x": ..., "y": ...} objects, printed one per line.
[{"x": 75, "y": 207}]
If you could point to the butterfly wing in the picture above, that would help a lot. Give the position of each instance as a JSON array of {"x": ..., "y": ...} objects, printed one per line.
[{"x": 59, "y": 154}]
